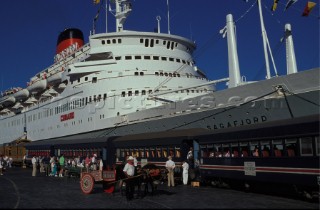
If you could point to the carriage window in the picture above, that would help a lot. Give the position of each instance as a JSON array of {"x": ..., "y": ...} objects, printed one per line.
[
  {"x": 158, "y": 152},
  {"x": 244, "y": 149},
  {"x": 234, "y": 150},
  {"x": 306, "y": 146},
  {"x": 165, "y": 152},
  {"x": 141, "y": 153},
  {"x": 265, "y": 148},
  {"x": 210, "y": 150},
  {"x": 119, "y": 153},
  {"x": 203, "y": 151},
  {"x": 291, "y": 146},
  {"x": 147, "y": 152},
  {"x": 225, "y": 150},
  {"x": 178, "y": 152},
  {"x": 136, "y": 153},
  {"x": 217, "y": 150},
  {"x": 277, "y": 148},
  {"x": 254, "y": 149},
  {"x": 317, "y": 140},
  {"x": 171, "y": 152},
  {"x": 153, "y": 153}
]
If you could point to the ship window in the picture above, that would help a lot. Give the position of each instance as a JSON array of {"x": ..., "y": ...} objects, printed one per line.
[
  {"x": 90, "y": 99},
  {"x": 136, "y": 93},
  {"x": 147, "y": 57},
  {"x": 114, "y": 41},
  {"x": 128, "y": 57},
  {"x": 170, "y": 74},
  {"x": 86, "y": 79},
  {"x": 156, "y": 73},
  {"x": 166, "y": 74},
  {"x": 129, "y": 93},
  {"x": 150, "y": 91},
  {"x": 157, "y": 41},
  {"x": 123, "y": 94},
  {"x": 172, "y": 45},
  {"x": 152, "y": 43},
  {"x": 146, "y": 44},
  {"x": 108, "y": 41},
  {"x": 183, "y": 61},
  {"x": 118, "y": 58},
  {"x": 176, "y": 44},
  {"x": 141, "y": 73},
  {"x": 178, "y": 60},
  {"x": 143, "y": 92},
  {"x": 163, "y": 58},
  {"x": 119, "y": 41},
  {"x": 94, "y": 79},
  {"x": 168, "y": 45},
  {"x": 137, "y": 57},
  {"x": 94, "y": 98},
  {"x": 103, "y": 42},
  {"x": 141, "y": 40},
  {"x": 171, "y": 59},
  {"x": 156, "y": 58},
  {"x": 78, "y": 79},
  {"x": 161, "y": 73},
  {"x": 164, "y": 42},
  {"x": 104, "y": 96},
  {"x": 136, "y": 73}
]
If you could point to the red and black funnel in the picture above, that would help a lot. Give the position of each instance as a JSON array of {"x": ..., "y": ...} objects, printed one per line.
[{"x": 68, "y": 37}]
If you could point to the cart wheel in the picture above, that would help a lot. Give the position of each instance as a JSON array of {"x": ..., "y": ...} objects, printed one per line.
[{"x": 87, "y": 183}]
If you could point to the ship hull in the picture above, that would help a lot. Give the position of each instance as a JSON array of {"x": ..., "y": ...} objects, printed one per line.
[{"x": 279, "y": 98}]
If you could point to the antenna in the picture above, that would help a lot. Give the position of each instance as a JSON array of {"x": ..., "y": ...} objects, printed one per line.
[
  {"x": 158, "y": 19},
  {"x": 168, "y": 17}
]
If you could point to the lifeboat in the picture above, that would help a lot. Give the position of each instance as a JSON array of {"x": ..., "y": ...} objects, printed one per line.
[
  {"x": 21, "y": 94},
  {"x": 55, "y": 77},
  {"x": 7, "y": 100},
  {"x": 37, "y": 84}
]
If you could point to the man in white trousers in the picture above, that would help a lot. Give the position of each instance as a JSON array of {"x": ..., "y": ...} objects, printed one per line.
[{"x": 185, "y": 172}]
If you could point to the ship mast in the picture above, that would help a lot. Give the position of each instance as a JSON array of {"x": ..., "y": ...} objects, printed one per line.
[
  {"x": 266, "y": 44},
  {"x": 122, "y": 11}
]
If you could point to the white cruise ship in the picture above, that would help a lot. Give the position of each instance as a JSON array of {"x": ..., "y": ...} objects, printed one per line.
[{"x": 128, "y": 82}]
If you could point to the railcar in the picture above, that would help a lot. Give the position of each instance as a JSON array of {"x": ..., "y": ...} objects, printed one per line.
[
  {"x": 284, "y": 153},
  {"x": 15, "y": 149}
]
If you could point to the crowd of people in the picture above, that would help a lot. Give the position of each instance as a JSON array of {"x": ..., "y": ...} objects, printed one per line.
[
  {"x": 56, "y": 165},
  {"x": 5, "y": 162}
]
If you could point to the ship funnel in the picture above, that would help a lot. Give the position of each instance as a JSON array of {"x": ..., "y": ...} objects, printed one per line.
[{"x": 69, "y": 37}]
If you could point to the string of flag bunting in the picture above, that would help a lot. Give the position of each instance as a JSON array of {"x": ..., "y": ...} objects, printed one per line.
[{"x": 306, "y": 11}]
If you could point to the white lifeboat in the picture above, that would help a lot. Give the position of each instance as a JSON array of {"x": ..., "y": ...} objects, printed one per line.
[
  {"x": 21, "y": 94},
  {"x": 54, "y": 77},
  {"x": 7, "y": 100},
  {"x": 37, "y": 84}
]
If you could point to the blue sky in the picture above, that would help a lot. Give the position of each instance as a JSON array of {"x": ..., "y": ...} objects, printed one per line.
[{"x": 29, "y": 31}]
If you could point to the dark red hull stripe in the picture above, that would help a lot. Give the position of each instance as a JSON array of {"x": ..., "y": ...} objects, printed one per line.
[{"x": 310, "y": 171}]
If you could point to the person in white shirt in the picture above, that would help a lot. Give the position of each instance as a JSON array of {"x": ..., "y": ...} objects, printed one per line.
[
  {"x": 129, "y": 172},
  {"x": 34, "y": 166},
  {"x": 185, "y": 172},
  {"x": 170, "y": 165},
  {"x": 1, "y": 166}
]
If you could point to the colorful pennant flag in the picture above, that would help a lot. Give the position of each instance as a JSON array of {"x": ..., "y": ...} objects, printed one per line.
[
  {"x": 289, "y": 3},
  {"x": 309, "y": 6},
  {"x": 274, "y": 6}
]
